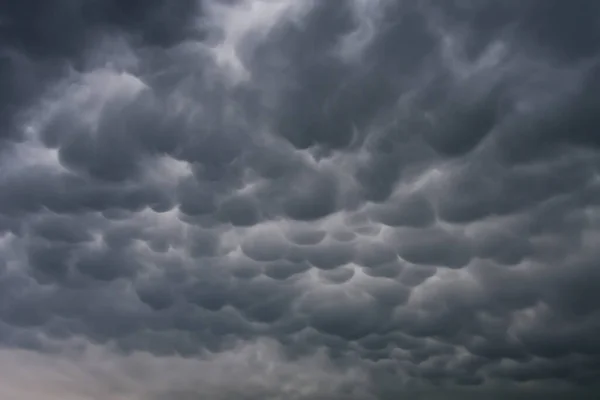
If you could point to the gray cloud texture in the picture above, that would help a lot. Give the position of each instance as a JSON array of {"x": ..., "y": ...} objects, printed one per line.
[{"x": 299, "y": 199}]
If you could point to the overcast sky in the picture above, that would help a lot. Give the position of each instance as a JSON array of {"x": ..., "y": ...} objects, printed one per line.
[{"x": 299, "y": 199}]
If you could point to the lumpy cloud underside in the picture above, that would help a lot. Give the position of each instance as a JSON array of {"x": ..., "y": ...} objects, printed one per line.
[{"x": 299, "y": 199}]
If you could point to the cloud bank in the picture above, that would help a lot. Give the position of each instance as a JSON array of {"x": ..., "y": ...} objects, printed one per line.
[{"x": 277, "y": 199}]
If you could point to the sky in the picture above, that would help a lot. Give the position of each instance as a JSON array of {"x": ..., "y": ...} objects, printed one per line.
[{"x": 299, "y": 199}]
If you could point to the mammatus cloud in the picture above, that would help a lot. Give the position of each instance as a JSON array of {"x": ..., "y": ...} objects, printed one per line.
[{"x": 249, "y": 199}]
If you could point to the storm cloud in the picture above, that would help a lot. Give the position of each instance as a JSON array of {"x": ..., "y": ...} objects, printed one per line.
[{"x": 299, "y": 199}]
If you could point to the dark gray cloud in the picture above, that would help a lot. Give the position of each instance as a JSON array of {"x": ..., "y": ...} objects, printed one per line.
[{"x": 363, "y": 199}]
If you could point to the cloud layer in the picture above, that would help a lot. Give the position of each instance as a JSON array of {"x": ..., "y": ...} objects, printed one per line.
[{"x": 299, "y": 199}]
